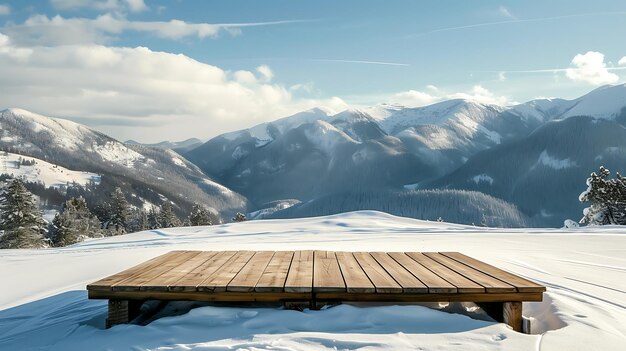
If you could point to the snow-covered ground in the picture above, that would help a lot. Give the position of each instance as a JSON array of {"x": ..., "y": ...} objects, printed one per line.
[
  {"x": 42, "y": 171},
  {"x": 43, "y": 302}
]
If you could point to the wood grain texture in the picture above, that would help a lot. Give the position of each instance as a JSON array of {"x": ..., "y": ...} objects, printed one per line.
[
  {"x": 463, "y": 285},
  {"x": 435, "y": 283},
  {"x": 326, "y": 273},
  {"x": 249, "y": 275},
  {"x": 219, "y": 280},
  {"x": 108, "y": 282},
  {"x": 275, "y": 274},
  {"x": 135, "y": 282},
  {"x": 512, "y": 315},
  {"x": 521, "y": 284},
  {"x": 300, "y": 276},
  {"x": 355, "y": 278},
  {"x": 408, "y": 282},
  {"x": 383, "y": 282},
  {"x": 320, "y": 275},
  {"x": 490, "y": 283},
  {"x": 194, "y": 278}
]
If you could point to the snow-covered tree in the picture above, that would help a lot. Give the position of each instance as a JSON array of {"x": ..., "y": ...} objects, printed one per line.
[
  {"x": 20, "y": 218},
  {"x": 74, "y": 223},
  {"x": 606, "y": 197},
  {"x": 167, "y": 217},
  {"x": 119, "y": 212},
  {"x": 138, "y": 221},
  {"x": 199, "y": 215},
  {"x": 239, "y": 217},
  {"x": 153, "y": 218}
]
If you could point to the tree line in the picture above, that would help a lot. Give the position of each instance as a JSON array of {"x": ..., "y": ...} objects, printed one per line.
[{"x": 22, "y": 224}]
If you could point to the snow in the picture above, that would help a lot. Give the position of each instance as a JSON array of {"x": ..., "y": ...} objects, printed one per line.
[
  {"x": 483, "y": 178},
  {"x": 554, "y": 163},
  {"x": 43, "y": 172},
  {"x": 605, "y": 102},
  {"x": 325, "y": 136},
  {"x": 45, "y": 307},
  {"x": 117, "y": 152}
]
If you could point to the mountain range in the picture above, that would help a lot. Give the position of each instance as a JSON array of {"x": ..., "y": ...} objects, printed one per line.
[
  {"x": 459, "y": 160},
  {"x": 534, "y": 156},
  {"x": 148, "y": 176}
]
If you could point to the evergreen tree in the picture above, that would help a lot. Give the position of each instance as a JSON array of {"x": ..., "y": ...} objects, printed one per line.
[
  {"x": 239, "y": 217},
  {"x": 607, "y": 198},
  {"x": 167, "y": 217},
  {"x": 74, "y": 223},
  {"x": 20, "y": 218},
  {"x": 199, "y": 215},
  {"x": 119, "y": 213},
  {"x": 153, "y": 219}
]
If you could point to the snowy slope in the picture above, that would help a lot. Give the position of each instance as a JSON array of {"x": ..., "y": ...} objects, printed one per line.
[
  {"x": 45, "y": 307},
  {"x": 43, "y": 172},
  {"x": 151, "y": 174}
]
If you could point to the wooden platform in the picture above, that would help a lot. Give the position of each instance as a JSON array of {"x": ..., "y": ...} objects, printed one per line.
[{"x": 314, "y": 278}]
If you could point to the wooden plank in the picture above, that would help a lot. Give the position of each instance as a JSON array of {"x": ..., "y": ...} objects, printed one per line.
[
  {"x": 326, "y": 272},
  {"x": 407, "y": 281},
  {"x": 463, "y": 285},
  {"x": 219, "y": 280},
  {"x": 135, "y": 282},
  {"x": 300, "y": 276},
  {"x": 194, "y": 278},
  {"x": 170, "y": 277},
  {"x": 275, "y": 274},
  {"x": 521, "y": 284},
  {"x": 435, "y": 284},
  {"x": 355, "y": 278},
  {"x": 383, "y": 282},
  {"x": 106, "y": 283},
  {"x": 490, "y": 283},
  {"x": 249, "y": 275},
  {"x": 331, "y": 296},
  {"x": 403, "y": 297}
]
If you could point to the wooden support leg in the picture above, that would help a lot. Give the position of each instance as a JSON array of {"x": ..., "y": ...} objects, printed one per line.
[
  {"x": 509, "y": 313},
  {"x": 512, "y": 315},
  {"x": 122, "y": 311}
]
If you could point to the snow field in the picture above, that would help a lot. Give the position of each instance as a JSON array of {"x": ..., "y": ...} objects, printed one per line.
[{"x": 43, "y": 303}]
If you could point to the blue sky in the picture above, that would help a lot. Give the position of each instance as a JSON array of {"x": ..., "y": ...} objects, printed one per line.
[{"x": 329, "y": 53}]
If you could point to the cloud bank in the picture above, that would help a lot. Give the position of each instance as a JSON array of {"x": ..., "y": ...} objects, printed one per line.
[{"x": 161, "y": 95}]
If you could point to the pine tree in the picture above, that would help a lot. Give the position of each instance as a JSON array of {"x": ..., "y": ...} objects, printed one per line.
[
  {"x": 239, "y": 217},
  {"x": 607, "y": 198},
  {"x": 153, "y": 219},
  {"x": 20, "y": 218},
  {"x": 199, "y": 215},
  {"x": 167, "y": 217},
  {"x": 119, "y": 213},
  {"x": 74, "y": 223}
]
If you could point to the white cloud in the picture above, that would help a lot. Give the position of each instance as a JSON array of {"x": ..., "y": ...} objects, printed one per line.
[
  {"x": 622, "y": 61},
  {"x": 414, "y": 98},
  {"x": 162, "y": 95},
  {"x": 266, "y": 72},
  {"x": 57, "y": 30},
  {"x": 102, "y": 5},
  {"x": 136, "y": 5},
  {"x": 590, "y": 68},
  {"x": 502, "y": 76},
  {"x": 505, "y": 12},
  {"x": 4, "y": 10}
]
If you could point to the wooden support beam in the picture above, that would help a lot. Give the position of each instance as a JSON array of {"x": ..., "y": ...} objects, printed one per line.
[
  {"x": 122, "y": 311},
  {"x": 512, "y": 315},
  {"x": 509, "y": 313}
]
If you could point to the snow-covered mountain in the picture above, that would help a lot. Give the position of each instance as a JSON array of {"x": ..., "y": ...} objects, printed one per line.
[
  {"x": 178, "y": 146},
  {"x": 147, "y": 175},
  {"x": 388, "y": 147}
]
